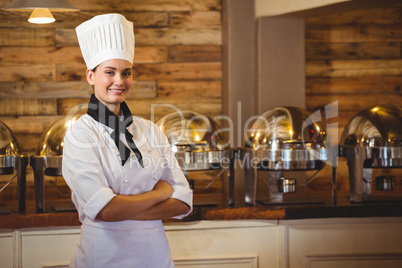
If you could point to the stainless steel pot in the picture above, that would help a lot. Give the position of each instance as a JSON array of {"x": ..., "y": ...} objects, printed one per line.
[
  {"x": 371, "y": 140},
  {"x": 199, "y": 144},
  {"x": 11, "y": 159},
  {"x": 281, "y": 139}
]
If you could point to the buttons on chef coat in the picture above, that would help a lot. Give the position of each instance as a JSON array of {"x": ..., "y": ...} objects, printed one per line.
[
  {"x": 155, "y": 178},
  {"x": 125, "y": 181}
]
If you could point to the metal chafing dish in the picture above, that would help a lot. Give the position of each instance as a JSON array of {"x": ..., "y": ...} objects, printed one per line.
[
  {"x": 10, "y": 159},
  {"x": 372, "y": 140},
  {"x": 280, "y": 140},
  {"x": 199, "y": 144},
  {"x": 48, "y": 158}
]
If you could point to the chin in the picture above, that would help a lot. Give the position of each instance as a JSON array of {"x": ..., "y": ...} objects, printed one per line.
[{"x": 117, "y": 98}]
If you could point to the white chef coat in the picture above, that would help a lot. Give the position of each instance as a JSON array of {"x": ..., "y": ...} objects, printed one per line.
[{"x": 93, "y": 171}]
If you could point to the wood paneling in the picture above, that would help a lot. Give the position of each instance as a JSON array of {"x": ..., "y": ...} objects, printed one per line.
[
  {"x": 27, "y": 72},
  {"x": 354, "y": 85},
  {"x": 149, "y": 5},
  {"x": 45, "y": 90},
  {"x": 41, "y": 55},
  {"x": 196, "y": 19},
  {"x": 155, "y": 108},
  {"x": 351, "y": 51},
  {"x": 353, "y": 68},
  {"x": 355, "y": 33},
  {"x": 26, "y": 37},
  {"x": 178, "y": 36},
  {"x": 177, "y": 62},
  {"x": 185, "y": 89},
  {"x": 169, "y": 71},
  {"x": 352, "y": 102},
  {"x": 150, "y": 54},
  {"x": 353, "y": 60},
  {"x": 29, "y": 124},
  {"x": 373, "y": 16},
  {"x": 16, "y": 107},
  {"x": 14, "y": 19},
  {"x": 195, "y": 53},
  {"x": 72, "y": 55}
]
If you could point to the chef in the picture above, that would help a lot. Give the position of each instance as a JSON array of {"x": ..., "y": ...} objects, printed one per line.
[{"x": 121, "y": 170}]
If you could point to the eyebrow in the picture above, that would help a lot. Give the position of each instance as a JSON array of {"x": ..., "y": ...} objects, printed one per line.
[{"x": 113, "y": 68}]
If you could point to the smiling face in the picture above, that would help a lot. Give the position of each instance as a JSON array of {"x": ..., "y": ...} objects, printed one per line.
[{"x": 111, "y": 81}]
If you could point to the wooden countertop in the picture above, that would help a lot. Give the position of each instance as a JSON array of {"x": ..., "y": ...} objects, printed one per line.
[{"x": 68, "y": 217}]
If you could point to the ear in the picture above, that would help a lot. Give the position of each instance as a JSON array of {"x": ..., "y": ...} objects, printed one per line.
[{"x": 90, "y": 77}]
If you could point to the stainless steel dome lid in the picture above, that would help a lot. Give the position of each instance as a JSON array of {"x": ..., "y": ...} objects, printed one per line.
[
  {"x": 52, "y": 140},
  {"x": 10, "y": 160},
  {"x": 378, "y": 126},
  {"x": 286, "y": 138},
  {"x": 9, "y": 149},
  {"x": 285, "y": 128},
  {"x": 198, "y": 144},
  {"x": 49, "y": 155},
  {"x": 192, "y": 131},
  {"x": 8, "y": 142}
]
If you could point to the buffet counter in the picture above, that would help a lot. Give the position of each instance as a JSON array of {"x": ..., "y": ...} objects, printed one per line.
[
  {"x": 302, "y": 235},
  {"x": 65, "y": 214}
]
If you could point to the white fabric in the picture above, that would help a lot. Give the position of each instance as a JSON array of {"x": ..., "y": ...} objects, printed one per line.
[
  {"x": 105, "y": 37},
  {"x": 92, "y": 169}
]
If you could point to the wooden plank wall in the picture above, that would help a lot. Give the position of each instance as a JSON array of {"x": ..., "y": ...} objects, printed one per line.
[
  {"x": 354, "y": 58},
  {"x": 177, "y": 62}
]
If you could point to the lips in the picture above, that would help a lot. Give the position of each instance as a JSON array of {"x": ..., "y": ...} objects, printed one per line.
[{"x": 117, "y": 90}]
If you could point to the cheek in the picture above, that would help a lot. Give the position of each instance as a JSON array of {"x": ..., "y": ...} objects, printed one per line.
[
  {"x": 129, "y": 83},
  {"x": 105, "y": 81},
  {"x": 102, "y": 83}
]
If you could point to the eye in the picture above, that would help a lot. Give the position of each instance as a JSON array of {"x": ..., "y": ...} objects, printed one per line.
[
  {"x": 127, "y": 74},
  {"x": 109, "y": 72}
]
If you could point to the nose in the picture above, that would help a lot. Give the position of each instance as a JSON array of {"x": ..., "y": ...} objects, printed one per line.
[{"x": 118, "y": 79}]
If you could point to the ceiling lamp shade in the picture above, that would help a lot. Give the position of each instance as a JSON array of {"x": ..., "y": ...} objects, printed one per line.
[
  {"x": 41, "y": 9},
  {"x": 53, "y": 5},
  {"x": 41, "y": 16}
]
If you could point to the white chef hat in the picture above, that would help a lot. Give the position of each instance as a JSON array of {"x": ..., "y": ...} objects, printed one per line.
[{"x": 105, "y": 37}]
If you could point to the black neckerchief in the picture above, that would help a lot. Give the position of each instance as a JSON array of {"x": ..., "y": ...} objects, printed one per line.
[{"x": 99, "y": 112}]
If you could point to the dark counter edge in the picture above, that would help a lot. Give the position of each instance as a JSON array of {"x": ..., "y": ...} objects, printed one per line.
[
  {"x": 345, "y": 211},
  {"x": 294, "y": 212}
]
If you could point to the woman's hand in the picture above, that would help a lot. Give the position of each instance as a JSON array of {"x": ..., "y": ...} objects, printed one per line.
[{"x": 164, "y": 189}]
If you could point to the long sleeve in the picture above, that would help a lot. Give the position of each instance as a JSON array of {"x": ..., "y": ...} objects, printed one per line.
[
  {"x": 83, "y": 172},
  {"x": 173, "y": 173}
]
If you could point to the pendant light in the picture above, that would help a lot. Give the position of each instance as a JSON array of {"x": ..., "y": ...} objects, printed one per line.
[
  {"x": 41, "y": 9},
  {"x": 41, "y": 16}
]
